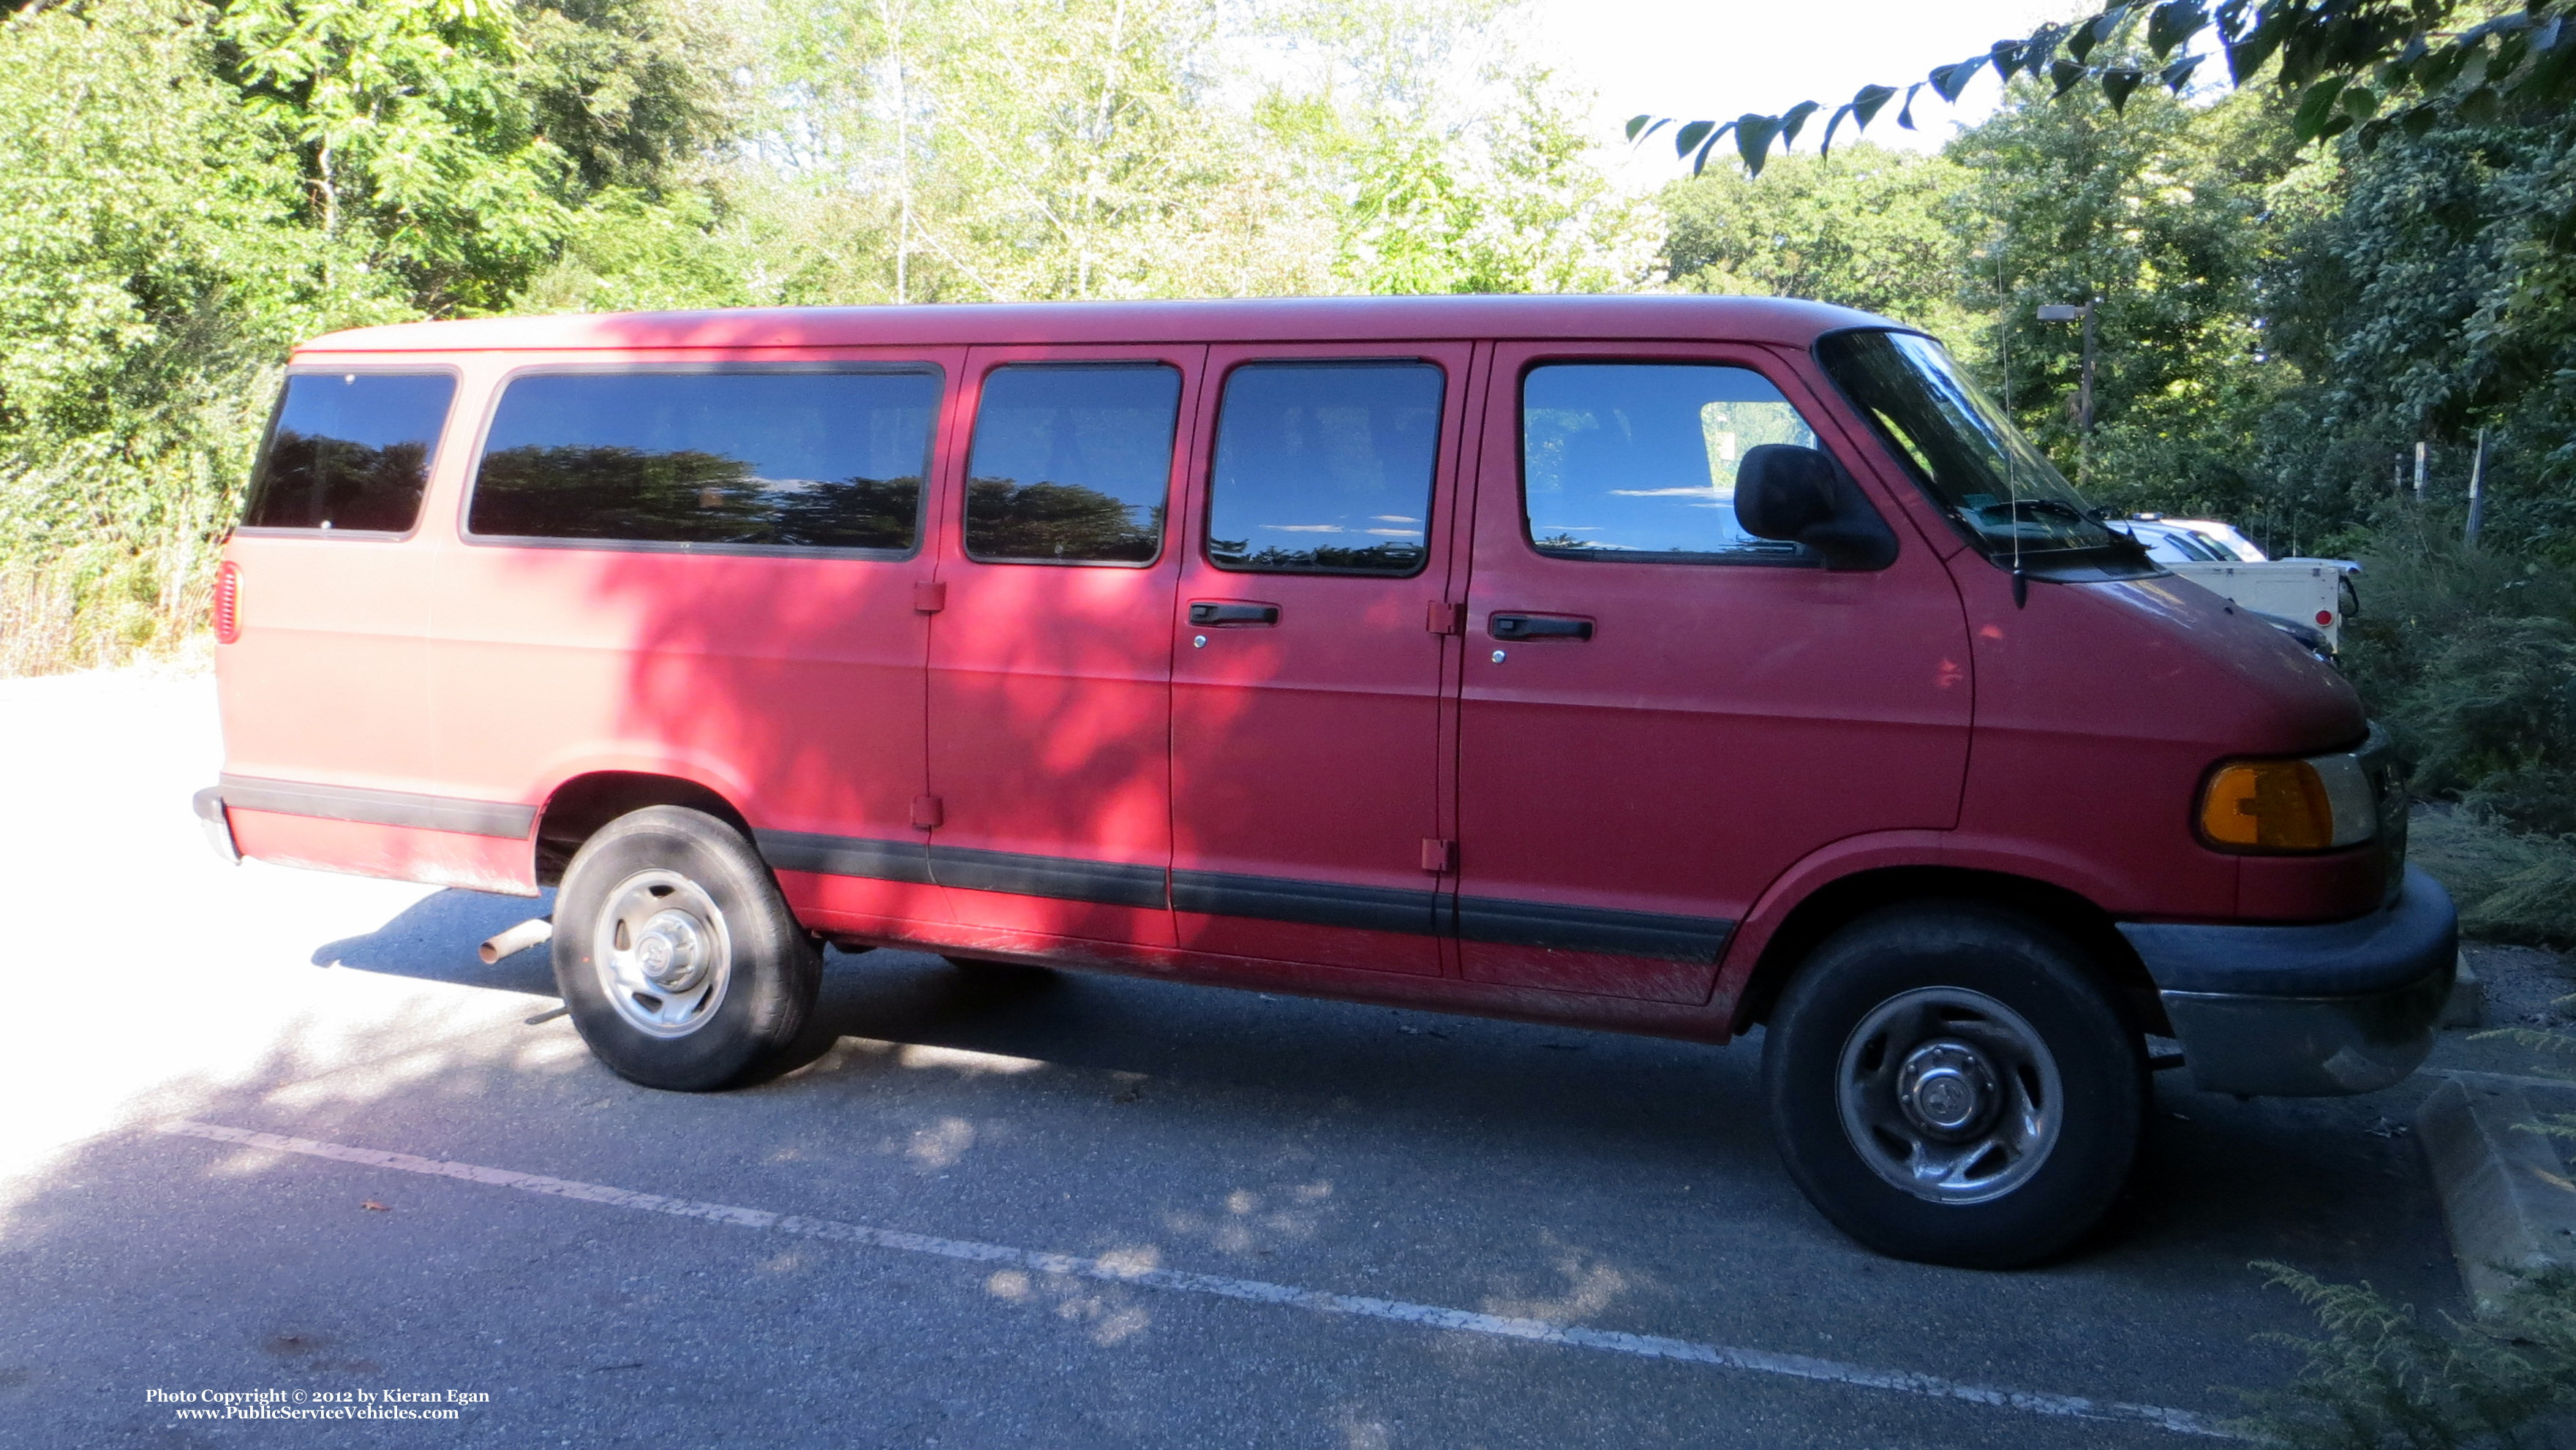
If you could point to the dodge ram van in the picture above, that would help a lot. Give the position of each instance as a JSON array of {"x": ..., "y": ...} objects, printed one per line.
[{"x": 1672, "y": 665}]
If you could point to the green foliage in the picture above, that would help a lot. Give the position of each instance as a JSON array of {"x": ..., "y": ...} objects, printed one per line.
[
  {"x": 1869, "y": 228},
  {"x": 2163, "y": 217},
  {"x": 2382, "y": 1379},
  {"x": 1516, "y": 209},
  {"x": 153, "y": 268}
]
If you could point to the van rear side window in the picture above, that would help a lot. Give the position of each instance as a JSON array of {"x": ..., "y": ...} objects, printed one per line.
[
  {"x": 1324, "y": 468},
  {"x": 349, "y": 452},
  {"x": 741, "y": 458},
  {"x": 1071, "y": 462}
]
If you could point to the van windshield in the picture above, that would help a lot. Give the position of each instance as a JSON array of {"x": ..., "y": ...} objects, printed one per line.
[{"x": 1963, "y": 449}]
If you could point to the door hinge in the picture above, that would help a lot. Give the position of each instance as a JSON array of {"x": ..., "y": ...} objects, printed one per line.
[
  {"x": 1446, "y": 618},
  {"x": 1439, "y": 857},
  {"x": 926, "y": 812},
  {"x": 929, "y": 596}
]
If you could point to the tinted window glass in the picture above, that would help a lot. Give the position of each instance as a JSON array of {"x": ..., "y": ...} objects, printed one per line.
[
  {"x": 1324, "y": 468},
  {"x": 825, "y": 460},
  {"x": 349, "y": 451},
  {"x": 1070, "y": 464},
  {"x": 1637, "y": 461}
]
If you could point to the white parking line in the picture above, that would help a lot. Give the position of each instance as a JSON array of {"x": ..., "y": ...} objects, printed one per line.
[{"x": 1113, "y": 1270}]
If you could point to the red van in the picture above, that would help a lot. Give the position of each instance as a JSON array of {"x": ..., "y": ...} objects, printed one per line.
[{"x": 1675, "y": 665}]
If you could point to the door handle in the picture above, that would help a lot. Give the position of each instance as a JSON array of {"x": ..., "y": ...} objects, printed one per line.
[
  {"x": 1222, "y": 613},
  {"x": 1537, "y": 626}
]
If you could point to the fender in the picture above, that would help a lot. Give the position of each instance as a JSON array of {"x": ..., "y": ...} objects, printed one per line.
[{"x": 1851, "y": 856}]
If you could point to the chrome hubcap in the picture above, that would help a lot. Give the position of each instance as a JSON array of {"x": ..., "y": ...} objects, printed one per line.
[
  {"x": 1949, "y": 1095},
  {"x": 662, "y": 953}
]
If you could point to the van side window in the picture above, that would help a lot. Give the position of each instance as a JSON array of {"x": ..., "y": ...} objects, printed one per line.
[
  {"x": 349, "y": 452},
  {"x": 758, "y": 459},
  {"x": 1636, "y": 461},
  {"x": 1324, "y": 468},
  {"x": 1071, "y": 463}
]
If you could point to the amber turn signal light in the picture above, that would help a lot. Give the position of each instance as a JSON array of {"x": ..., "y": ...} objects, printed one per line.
[{"x": 2318, "y": 804}]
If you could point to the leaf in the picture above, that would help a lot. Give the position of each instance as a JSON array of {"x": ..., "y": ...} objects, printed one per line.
[
  {"x": 2247, "y": 52},
  {"x": 1792, "y": 121},
  {"x": 2118, "y": 83},
  {"x": 1865, "y": 104},
  {"x": 2041, "y": 48},
  {"x": 1660, "y": 123},
  {"x": 2065, "y": 75},
  {"x": 2416, "y": 120},
  {"x": 2479, "y": 106},
  {"x": 1688, "y": 138},
  {"x": 1753, "y": 137},
  {"x": 1905, "y": 113},
  {"x": 2097, "y": 31},
  {"x": 1825, "y": 147},
  {"x": 2360, "y": 102},
  {"x": 1699, "y": 161},
  {"x": 2172, "y": 23},
  {"x": 2370, "y": 135},
  {"x": 1637, "y": 123},
  {"x": 2308, "y": 123},
  {"x": 2079, "y": 42},
  {"x": 2178, "y": 75}
]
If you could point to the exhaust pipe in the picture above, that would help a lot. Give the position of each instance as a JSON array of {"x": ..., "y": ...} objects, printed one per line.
[{"x": 517, "y": 939}]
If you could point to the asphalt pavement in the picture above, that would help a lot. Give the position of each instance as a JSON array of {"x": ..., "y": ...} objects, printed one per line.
[{"x": 278, "y": 1135}]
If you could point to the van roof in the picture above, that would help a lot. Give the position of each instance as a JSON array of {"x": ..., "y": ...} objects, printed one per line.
[{"x": 1679, "y": 317}]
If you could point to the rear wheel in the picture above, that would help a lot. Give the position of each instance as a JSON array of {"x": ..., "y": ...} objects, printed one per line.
[
  {"x": 678, "y": 959},
  {"x": 1951, "y": 1083}
]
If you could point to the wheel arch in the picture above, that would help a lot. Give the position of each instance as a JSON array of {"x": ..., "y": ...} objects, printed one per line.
[
  {"x": 1839, "y": 901},
  {"x": 577, "y": 808}
]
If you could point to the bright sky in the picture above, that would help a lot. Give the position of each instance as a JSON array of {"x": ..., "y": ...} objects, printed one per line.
[{"x": 1720, "y": 58}]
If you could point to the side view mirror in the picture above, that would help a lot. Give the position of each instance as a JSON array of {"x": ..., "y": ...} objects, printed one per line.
[{"x": 1801, "y": 496}]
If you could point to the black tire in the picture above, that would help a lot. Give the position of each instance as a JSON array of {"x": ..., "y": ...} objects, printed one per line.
[
  {"x": 691, "y": 882},
  {"x": 1851, "y": 1120}
]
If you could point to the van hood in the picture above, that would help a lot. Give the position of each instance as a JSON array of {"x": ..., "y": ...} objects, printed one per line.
[{"x": 2255, "y": 687}]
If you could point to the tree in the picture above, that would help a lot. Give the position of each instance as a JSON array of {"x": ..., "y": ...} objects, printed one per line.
[{"x": 1872, "y": 229}]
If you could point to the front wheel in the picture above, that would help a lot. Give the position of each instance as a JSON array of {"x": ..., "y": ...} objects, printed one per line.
[
  {"x": 1951, "y": 1084},
  {"x": 679, "y": 961}
]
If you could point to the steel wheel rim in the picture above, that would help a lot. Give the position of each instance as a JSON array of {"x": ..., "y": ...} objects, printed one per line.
[
  {"x": 1949, "y": 1095},
  {"x": 662, "y": 952}
]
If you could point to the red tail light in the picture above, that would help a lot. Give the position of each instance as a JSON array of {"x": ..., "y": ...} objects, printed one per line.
[{"x": 227, "y": 602}]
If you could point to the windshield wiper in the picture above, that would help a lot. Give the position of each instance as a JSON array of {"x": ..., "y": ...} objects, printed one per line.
[{"x": 2013, "y": 507}]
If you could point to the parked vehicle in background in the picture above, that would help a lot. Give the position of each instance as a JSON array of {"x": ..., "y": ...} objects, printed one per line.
[
  {"x": 2307, "y": 598},
  {"x": 1609, "y": 661}
]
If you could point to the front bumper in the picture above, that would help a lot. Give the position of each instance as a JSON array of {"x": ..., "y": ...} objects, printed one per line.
[{"x": 2308, "y": 1011}]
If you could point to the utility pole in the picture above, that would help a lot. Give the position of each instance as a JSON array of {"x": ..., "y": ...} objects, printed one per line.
[{"x": 2072, "y": 312}]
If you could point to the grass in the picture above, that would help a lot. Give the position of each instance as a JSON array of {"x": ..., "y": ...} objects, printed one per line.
[
  {"x": 2510, "y": 885},
  {"x": 99, "y": 612}
]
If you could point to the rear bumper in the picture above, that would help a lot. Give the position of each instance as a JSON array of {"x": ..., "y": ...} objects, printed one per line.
[
  {"x": 2308, "y": 1011},
  {"x": 209, "y": 805}
]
